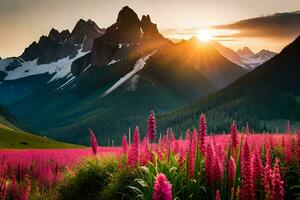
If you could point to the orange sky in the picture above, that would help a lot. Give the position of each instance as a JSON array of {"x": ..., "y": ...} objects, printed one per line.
[{"x": 24, "y": 21}]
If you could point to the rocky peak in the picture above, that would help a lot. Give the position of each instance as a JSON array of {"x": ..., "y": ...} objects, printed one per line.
[
  {"x": 127, "y": 18},
  {"x": 149, "y": 29},
  {"x": 128, "y": 37},
  {"x": 58, "y": 45},
  {"x": 127, "y": 29},
  {"x": 85, "y": 32},
  {"x": 54, "y": 34},
  {"x": 245, "y": 52}
]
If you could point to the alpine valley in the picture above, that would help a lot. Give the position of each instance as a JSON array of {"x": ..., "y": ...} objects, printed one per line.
[{"x": 109, "y": 79}]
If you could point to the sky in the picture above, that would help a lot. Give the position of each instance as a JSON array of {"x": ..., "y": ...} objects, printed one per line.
[{"x": 24, "y": 21}]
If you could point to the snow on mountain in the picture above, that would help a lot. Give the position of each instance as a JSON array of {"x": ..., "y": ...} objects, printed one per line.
[
  {"x": 113, "y": 61},
  {"x": 140, "y": 63},
  {"x": 5, "y": 62},
  {"x": 59, "y": 69},
  {"x": 244, "y": 57},
  {"x": 259, "y": 58},
  {"x": 230, "y": 54},
  {"x": 245, "y": 52}
]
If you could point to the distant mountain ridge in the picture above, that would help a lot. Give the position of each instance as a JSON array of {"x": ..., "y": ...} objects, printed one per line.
[
  {"x": 254, "y": 60},
  {"x": 244, "y": 57},
  {"x": 245, "y": 52}
]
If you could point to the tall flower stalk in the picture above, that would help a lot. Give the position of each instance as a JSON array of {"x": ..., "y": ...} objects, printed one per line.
[
  {"x": 151, "y": 131},
  {"x": 93, "y": 141},
  {"x": 247, "y": 190},
  {"x": 133, "y": 154},
  {"x": 202, "y": 133},
  {"x": 234, "y": 135}
]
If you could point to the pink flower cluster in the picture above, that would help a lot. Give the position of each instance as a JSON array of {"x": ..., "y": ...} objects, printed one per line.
[{"x": 162, "y": 188}]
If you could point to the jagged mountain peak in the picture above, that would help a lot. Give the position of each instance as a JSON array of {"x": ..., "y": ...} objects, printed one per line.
[
  {"x": 57, "y": 45},
  {"x": 149, "y": 29},
  {"x": 53, "y": 33},
  {"x": 245, "y": 52},
  {"x": 127, "y": 16},
  {"x": 128, "y": 34}
]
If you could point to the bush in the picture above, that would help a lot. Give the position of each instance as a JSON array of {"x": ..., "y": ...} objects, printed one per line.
[
  {"x": 118, "y": 186},
  {"x": 89, "y": 180}
]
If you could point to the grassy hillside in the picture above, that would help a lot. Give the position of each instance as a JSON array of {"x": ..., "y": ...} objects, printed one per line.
[
  {"x": 17, "y": 139},
  {"x": 12, "y": 137}
]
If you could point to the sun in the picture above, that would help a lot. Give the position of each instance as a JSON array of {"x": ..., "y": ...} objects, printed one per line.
[{"x": 204, "y": 36}]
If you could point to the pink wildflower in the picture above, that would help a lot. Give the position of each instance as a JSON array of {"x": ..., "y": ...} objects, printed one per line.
[
  {"x": 93, "y": 141},
  {"x": 202, "y": 133},
  {"x": 162, "y": 188},
  {"x": 192, "y": 154},
  {"x": 268, "y": 181},
  {"x": 257, "y": 167},
  {"x": 151, "y": 131},
  {"x": 133, "y": 154},
  {"x": 247, "y": 190},
  {"x": 234, "y": 135},
  {"x": 278, "y": 190},
  {"x": 218, "y": 195},
  {"x": 209, "y": 163}
]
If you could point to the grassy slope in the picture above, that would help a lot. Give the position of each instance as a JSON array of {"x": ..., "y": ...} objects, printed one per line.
[
  {"x": 11, "y": 137},
  {"x": 16, "y": 139}
]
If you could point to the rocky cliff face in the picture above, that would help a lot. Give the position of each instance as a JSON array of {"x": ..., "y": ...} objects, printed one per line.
[
  {"x": 128, "y": 35},
  {"x": 58, "y": 45},
  {"x": 150, "y": 30}
]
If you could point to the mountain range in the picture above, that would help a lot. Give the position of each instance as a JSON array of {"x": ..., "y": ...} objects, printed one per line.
[
  {"x": 109, "y": 79},
  {"x": 267, "y": 95},
  {"x": 253, "y": 60}
]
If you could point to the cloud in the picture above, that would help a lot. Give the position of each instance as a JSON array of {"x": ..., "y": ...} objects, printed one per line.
[{"x": 277, "y": 26}]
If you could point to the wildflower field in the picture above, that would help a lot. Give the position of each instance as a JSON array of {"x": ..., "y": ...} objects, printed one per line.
[{"x": 239, "y": 165}]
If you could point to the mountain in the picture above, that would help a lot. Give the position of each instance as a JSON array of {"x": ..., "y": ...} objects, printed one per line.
[
  {"x": 245, "y": 52},
  {"x": 52, "y": 54},
  {"x": 259, "y": 58},
  {"x": 58, "y": 45},
  {"x": 253, "y": 60},
  {"x": 128, "y": 37},
  {"x": 268, "y": 93},
  {"x": 244, "y": 57},
  {"x": 129, "y": 70},
  {"x": 203, "y": 57},
  {"x": 230, "y": 55}
]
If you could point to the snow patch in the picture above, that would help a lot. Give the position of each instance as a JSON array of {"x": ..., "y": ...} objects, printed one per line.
[
  {"x": 4, "y": 63},
  {"x": 113, "y": 62},
  {"x": 132, "y": 84},
  {"x": 60, "y": 69},
  {"x": 140, "y": 63},
  {"x": 86, "y": 68},
  {"x": 66, "y": 83},
  {"x": 124, "y": 44}
]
